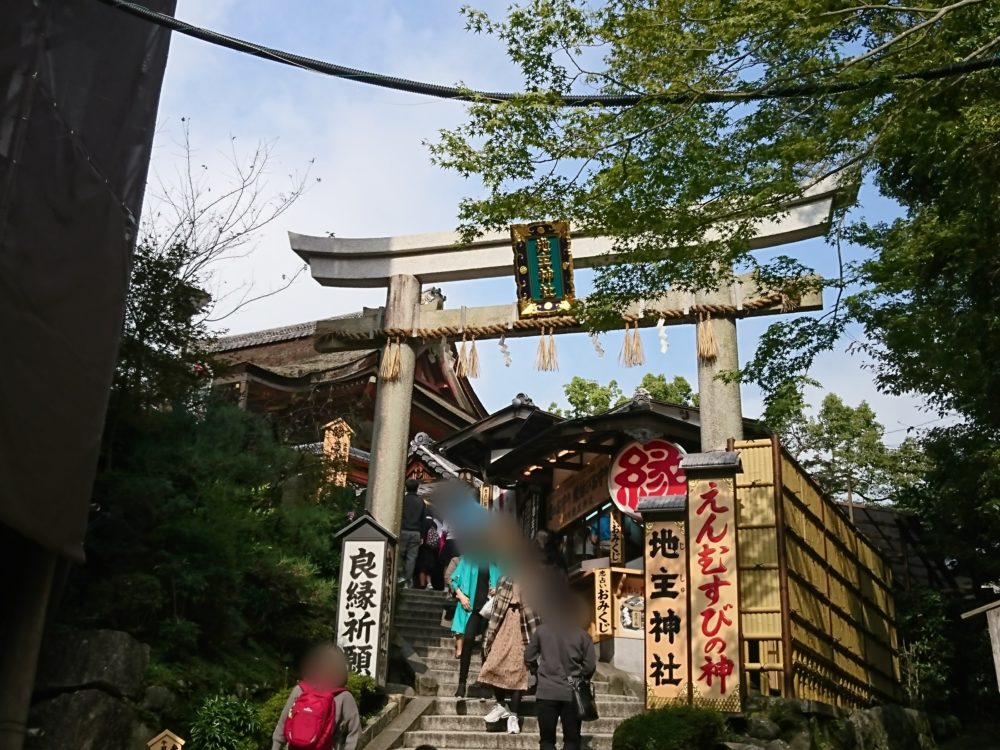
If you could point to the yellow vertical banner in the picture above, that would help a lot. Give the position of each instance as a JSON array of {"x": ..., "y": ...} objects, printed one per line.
[
  {"x": 617, "y": 545},
  {"x": 603, "y": 622},
  {"x": 668, "y": 670},
  {"x": 714, "y": 594}
]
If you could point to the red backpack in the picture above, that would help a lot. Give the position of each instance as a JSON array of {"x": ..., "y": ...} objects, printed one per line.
[{"x": 312, "y": 719}]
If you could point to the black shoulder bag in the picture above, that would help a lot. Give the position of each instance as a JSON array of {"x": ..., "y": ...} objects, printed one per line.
[{"x": 583, "y": 699}]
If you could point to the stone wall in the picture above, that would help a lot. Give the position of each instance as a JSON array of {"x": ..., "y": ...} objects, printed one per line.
[
  {"x": 779, "y": 724},
  {"x": 90, "y": 692}
]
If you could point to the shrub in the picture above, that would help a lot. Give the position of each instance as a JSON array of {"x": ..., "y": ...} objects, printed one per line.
[
  {"x": 677, "y": 728},
  {"x": 368, "y": 695},
  {"x": 225, "y": 722},
  {"x": 272, "y": 710}
]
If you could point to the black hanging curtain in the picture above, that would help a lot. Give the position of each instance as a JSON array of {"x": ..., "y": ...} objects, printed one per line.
[{"x": 79, "y": 89}]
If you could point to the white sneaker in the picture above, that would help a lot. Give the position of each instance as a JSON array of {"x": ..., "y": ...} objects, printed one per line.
[
  {"x": 513, "y": 726},
  {"x": 498, "y": 712}
]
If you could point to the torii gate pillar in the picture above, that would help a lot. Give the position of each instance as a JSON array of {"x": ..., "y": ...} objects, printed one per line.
[
  {"x": 390, "y": 436},
  {"x": 719, "y": 402}
]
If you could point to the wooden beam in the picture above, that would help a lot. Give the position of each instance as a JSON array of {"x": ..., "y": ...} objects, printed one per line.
[{"x": 745, "y": 298}]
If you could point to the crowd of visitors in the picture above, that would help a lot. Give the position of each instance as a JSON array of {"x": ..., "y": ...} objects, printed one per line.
[{"x": 511, "y": 595}]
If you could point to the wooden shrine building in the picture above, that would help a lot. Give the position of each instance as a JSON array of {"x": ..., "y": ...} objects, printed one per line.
[
  {"x": 813, "y": 595},
  {"x": 279, "y": 373}
]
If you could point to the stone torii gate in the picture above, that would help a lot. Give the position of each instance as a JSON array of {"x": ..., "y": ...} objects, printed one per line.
[{"x": 402, "y": 264}]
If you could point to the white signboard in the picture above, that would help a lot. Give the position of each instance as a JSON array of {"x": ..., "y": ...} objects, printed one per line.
[{"x": 360, "y": 606}]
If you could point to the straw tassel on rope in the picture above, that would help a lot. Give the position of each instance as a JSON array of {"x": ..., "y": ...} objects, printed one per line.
[
  {"x": 708, "y": 350},
  {"x": 462, "y": 364},
  {"x": 632, "y": 354},
  {"x": 545, "y": 356},
  {"x": 473, "y": 361},
  {"x": 389, "y": 367}
]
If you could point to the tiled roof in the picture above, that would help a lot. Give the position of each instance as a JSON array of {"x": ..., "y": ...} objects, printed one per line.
[
  {"x": 271, "y": 335},
  {"x": 267, "y": 336}
]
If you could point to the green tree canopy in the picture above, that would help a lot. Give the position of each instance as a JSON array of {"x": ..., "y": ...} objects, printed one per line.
[
  {"x": 654, "y": 177},
  {"x": 843, "y": 448},
  {"x": 589, "y": 397}
]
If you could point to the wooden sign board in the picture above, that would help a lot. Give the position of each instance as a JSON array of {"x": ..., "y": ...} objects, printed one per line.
[
  {"x": 714, "y": 595},
  {"x": 364, "y": 604},
  {"x": 603, "y": 605},
  {"x": 579, "y": 494},
  {"x": 543, "y": 268},
  {"x": 668, "y": 669},
  {"x": 617, "y": 546},
  {"x": 630, "y": 603}
]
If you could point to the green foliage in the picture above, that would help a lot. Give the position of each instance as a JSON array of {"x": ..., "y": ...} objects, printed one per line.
[
  {"x": 588, "y": 397},
  {"x": 193, "y": 549},
  {"x": 224, "y": 722},
  {"x": 677, "y": 391},
  {"x": 366, "y": 692},
  {"x": 928, "y": 643},
  {"x": 678, "y": 728},
  {"x": 652, "y": 177},
  {"x": 843, "y": 448},
  {"x": 959, "y": 501},
  {"x": 272, "y": 711}
]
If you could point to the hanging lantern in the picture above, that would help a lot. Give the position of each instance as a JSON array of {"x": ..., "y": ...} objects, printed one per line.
[{"x": 543, "y": 268}]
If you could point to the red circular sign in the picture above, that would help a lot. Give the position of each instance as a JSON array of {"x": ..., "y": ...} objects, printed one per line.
[{"x": 650, "y": 469}]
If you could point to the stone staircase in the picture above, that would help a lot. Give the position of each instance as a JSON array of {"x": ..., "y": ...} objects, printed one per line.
[{"x": 457, "y": 723}]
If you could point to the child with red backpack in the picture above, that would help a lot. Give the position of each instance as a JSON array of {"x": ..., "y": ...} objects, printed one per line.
[{"x": 320, "y": 714}]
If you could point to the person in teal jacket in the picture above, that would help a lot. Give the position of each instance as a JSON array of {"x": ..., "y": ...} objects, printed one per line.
[{"x": 473, "y": 582}]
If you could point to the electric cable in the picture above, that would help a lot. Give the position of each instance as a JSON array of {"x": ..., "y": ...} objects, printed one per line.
[{"x": 710, "y": 96}]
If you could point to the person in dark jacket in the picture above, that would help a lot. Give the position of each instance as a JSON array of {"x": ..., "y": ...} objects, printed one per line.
[
  {"x": 412, "y": 529},
  {"x": 559, "y": 651}
]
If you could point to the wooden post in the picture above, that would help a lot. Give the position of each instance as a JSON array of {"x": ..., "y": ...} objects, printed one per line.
[
  {"x": 719, "y": 402},
  {"x": 393, "y": 398},
  {"x": 25, "y": 597}
]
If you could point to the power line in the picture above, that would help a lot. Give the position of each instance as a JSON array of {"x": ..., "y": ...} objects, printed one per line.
[{"x": 711, "y": 96}]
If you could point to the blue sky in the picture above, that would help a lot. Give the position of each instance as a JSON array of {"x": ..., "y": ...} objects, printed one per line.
[{"x": 377, "y": 180}]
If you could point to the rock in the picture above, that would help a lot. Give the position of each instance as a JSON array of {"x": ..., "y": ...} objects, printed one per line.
[
  {"x": 157, "y": 698},
  {"x": 737, "y": 746},
  {"x": 107, "y": 659},
  {"x": 801, "y": 741},
  {"x": 777, "y": 745},
  {"x": 141, "y": 735},
  {"x": 763, "y": 728},
  {"x": 84, "y": 720}
]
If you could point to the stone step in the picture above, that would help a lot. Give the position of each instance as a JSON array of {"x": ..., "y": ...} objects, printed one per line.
[
  {"x": 420, "y": 641},
  {"x": 529, "y": 724},
  {"x": 404, "y": 621},
  {"x": 448, "y": 681},
  {"x": 425, "y": 599},
  {"x": 451, "y": 663},
  {"x": 443, "y": 653},
  {"x": 495, "y": 740},
  {"x": 608, "y": 706}
]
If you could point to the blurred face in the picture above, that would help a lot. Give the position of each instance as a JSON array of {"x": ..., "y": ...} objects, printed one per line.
[{"x": 326, "y": 669}]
